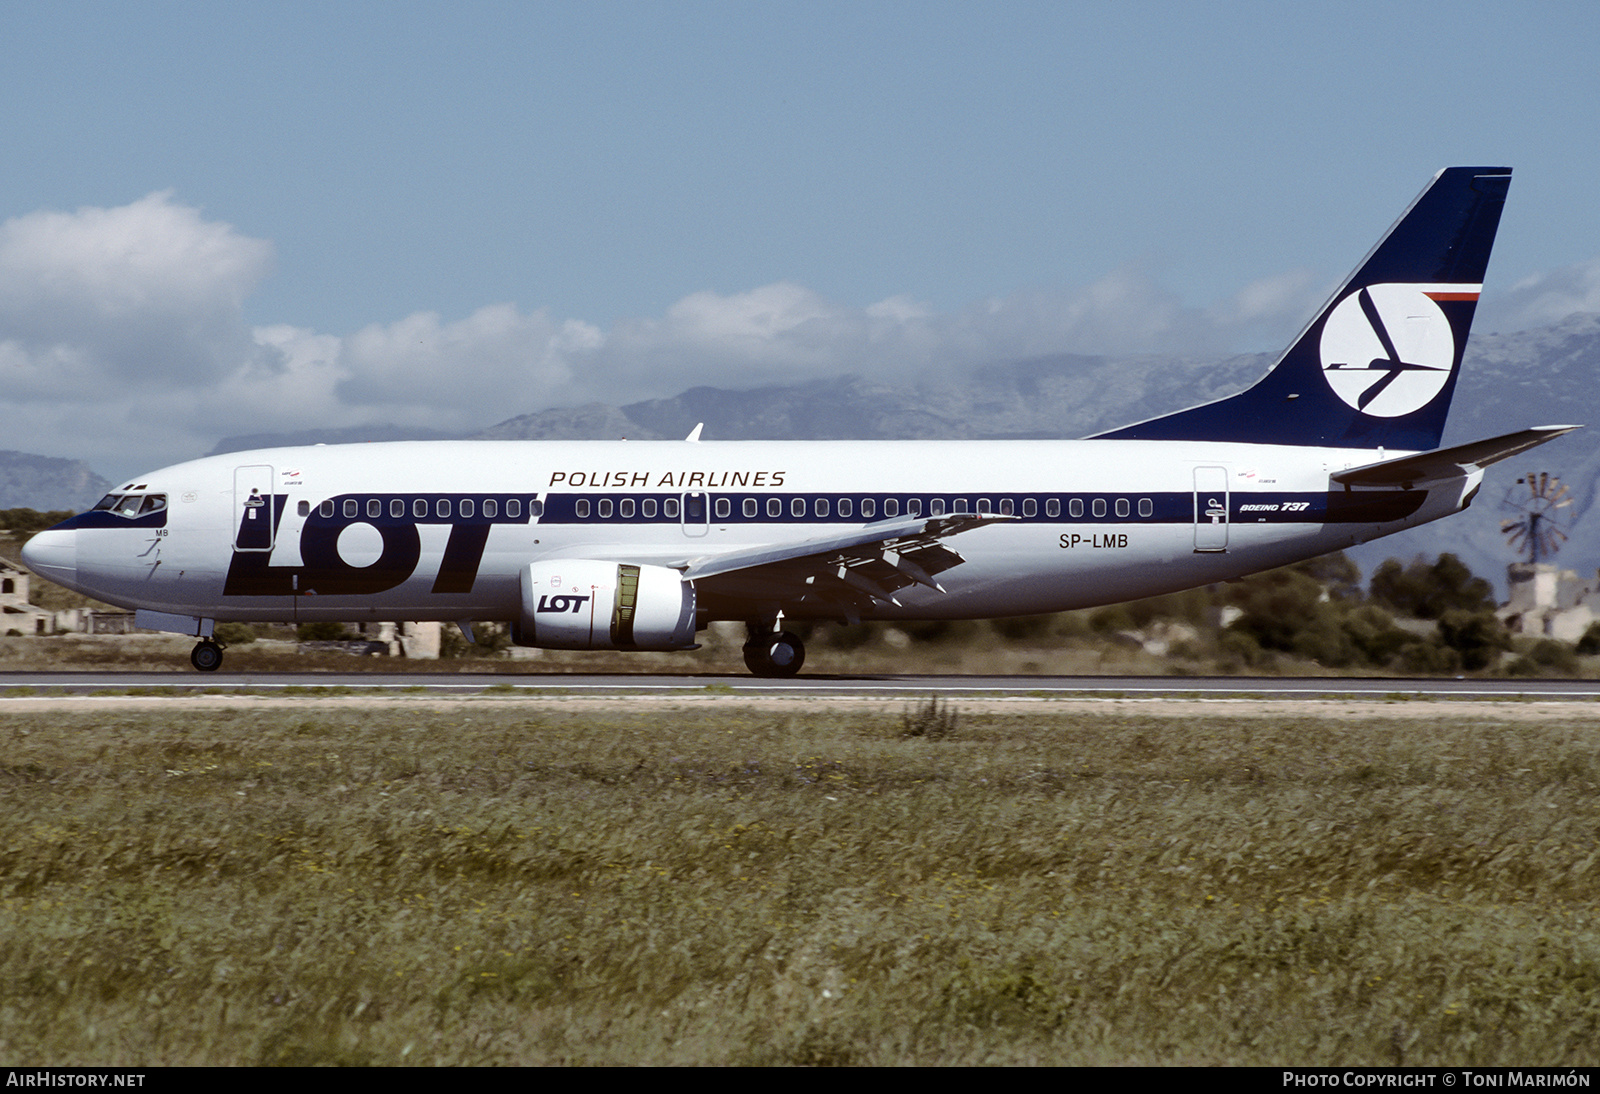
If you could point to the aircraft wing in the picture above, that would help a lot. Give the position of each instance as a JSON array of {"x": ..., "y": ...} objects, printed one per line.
[
  {"x": 1450, "y": 463},
  {"x": 852, "y": 569}
]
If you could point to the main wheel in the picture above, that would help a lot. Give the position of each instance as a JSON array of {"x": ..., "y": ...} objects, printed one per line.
[
  {"x": 206, "y": 656},
  {"x": 775, "y": 655}
]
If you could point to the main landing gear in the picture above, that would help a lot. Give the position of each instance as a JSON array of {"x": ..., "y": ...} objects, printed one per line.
[
  {"x": 773, "y": 654},
  {"x": 206, "y": 656}
]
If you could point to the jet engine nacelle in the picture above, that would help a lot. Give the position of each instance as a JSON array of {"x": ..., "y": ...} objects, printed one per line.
[{"x": 584, "y": 604}]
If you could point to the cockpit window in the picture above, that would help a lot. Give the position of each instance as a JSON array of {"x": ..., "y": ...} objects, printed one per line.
[{"x": 132, "y": 505}]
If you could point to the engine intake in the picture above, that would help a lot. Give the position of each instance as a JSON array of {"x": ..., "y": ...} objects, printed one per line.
[{"x": 584, "y": 604}]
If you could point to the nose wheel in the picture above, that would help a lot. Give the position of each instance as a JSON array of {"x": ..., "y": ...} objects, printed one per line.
[
  {"x": 206, "y": 656},
  {"x": 779, "y": 654}
]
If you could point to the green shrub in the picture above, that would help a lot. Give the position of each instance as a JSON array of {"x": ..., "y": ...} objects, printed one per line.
[
  {"x": 1548, "y": 656},
  {"x": 1022, "y": 627},
  {"x": 235, "y": 634},
  {"x": 1429, "y": 591},
  {"x": 1429, "y": 657},
  {"x": 1476, "y": 635},
  {"x": 942, "y": 630}
]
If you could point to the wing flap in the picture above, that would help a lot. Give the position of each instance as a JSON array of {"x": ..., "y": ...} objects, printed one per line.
[{"x": 854, "y": 569}]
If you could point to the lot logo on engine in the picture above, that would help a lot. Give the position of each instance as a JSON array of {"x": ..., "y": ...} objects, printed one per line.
[{"x": 573, "y": 604}]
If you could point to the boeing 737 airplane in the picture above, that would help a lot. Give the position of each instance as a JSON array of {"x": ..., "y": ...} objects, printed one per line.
[{"x": 637, "y": 545}]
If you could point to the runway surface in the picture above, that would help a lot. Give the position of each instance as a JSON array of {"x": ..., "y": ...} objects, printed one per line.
[{"x": 30, "y": 684}]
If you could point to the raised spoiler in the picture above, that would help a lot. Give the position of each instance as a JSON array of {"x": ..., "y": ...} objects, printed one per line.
[{"x": 1449, "y": 463}]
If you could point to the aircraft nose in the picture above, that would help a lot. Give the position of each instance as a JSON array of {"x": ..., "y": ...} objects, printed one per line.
[{"x": 53, "y": 554}]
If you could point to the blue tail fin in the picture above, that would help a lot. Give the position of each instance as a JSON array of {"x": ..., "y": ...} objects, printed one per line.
[{"x": 1377, "y": 366}]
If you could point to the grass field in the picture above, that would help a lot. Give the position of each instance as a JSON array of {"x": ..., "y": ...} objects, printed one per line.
[{"x": 503, "y": 882}]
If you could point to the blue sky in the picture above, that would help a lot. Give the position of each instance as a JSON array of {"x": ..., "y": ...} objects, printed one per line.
[{"x": 233, "y": 218}]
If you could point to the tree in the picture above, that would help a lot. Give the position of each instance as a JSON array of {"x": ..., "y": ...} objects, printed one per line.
[
  {"x": 1477, "y": 636},
  {"x": 1429, "y": 592},
  {"x": 31, "y": 520}
]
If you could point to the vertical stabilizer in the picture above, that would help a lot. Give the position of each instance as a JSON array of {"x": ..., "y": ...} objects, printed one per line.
[{"x": 1378, "y": 364}]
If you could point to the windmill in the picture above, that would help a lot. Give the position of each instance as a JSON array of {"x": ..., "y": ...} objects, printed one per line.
[{"x": 1543, "y": 506}]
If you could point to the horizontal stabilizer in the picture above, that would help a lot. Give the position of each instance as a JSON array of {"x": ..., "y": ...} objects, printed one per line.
[{"x": 1450, "y": 463}]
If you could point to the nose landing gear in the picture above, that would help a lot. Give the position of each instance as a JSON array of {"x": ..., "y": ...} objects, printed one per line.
[{"x": 206, "y": 656}]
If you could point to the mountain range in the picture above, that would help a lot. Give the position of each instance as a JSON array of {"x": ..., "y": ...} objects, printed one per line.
[{"x": 47, "y": 482}]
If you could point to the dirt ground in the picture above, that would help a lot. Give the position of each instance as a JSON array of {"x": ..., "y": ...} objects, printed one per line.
[{"x": 1418, "y": 709}]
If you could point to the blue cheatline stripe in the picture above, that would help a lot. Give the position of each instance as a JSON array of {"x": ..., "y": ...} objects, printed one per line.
[{"x": 855, "y": 509}]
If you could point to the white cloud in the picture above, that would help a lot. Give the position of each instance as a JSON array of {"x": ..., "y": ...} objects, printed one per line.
[
  {"x": 122, "y": 340},
  {"x": 494, "y": 358},
  {"x": 1544, "y": 298},
  {"x": 141, "y": 294}
]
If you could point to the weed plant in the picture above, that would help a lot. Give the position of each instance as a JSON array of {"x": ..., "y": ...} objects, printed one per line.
[
  {"x": 511, "y": 884},
  {"x": 933, "y": 718}
]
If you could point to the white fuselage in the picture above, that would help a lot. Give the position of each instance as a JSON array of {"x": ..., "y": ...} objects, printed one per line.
[{"x": 441, "y": 530}]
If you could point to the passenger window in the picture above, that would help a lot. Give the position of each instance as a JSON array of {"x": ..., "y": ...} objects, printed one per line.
[
  {"x": 304, "y": 508},
  {"x": 397, "y": 507},
  {"x": 669, "y": 508},
  {"x": 467, "y": 507},
  {"x": 374, "y": 507},
  {"x": 419, "y": 508},
  {"x": 441, "y": 508},
  {"x": 1122, "y": 507},
  {"x": 959, "y": 506},
  {"x": 605, "y": 507},
  {"x": 750, "y": 507},
  {"x": 774, "y": 507},
  {"x": 1146, "y": 507},
  {"x": 513, "y": 507},
  {"x": 1075, "y": 507},
  {"x": 913, "y": 507},
  {"x": 649, "y": 507},
  {"x": 535, "y": 508},
  {"x": 844, "y": 507},
  {"x": 891, "y": 507},
  {"x": 1030, "y": 507},
  {"x": 724, "y": 508},
  {"x": 1006, "y": 507},
  {"x": 1099, "y": 505},
  {"x": 797, "y": 508},
  {"x": 1052, "y": 507},
  {"x": 325, "y": 509},
  {"x": 868, "y": 508},
  {"x": 351, "y": 507},
  {"x": 821, "y": 507},
  {"x": 491, "y": 508},
  {"x": 624, "y": 507},
  {"x": 582, "y": 507},
  {"x": 936, "y": 507}
]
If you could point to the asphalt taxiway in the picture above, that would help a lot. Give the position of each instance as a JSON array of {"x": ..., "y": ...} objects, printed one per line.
[{"x": 437, "y": 685}]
